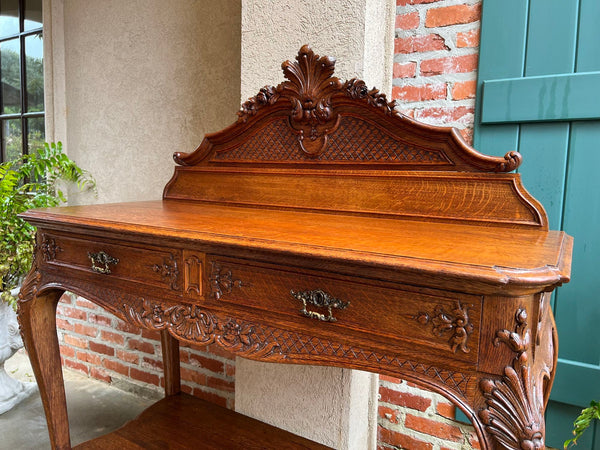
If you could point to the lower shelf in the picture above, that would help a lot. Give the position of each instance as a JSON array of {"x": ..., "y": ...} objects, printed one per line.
[{"x": 183, "y": 422}]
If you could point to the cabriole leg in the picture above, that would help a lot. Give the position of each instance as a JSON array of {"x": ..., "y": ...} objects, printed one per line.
[
  {"x": 513, "y": 416},
  {"x": 37, "y": 317}
]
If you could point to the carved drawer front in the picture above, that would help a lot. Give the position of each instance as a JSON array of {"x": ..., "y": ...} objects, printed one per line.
[
  {"x": 445, "y": 321},
  {"x": 114, "y": 260}
]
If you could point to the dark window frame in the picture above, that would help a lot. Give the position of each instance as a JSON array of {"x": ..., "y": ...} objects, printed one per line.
[{"x": 23, "y": 115}]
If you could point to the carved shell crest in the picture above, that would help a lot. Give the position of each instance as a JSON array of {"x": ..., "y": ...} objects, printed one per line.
[{"x": 309, "y": 87}]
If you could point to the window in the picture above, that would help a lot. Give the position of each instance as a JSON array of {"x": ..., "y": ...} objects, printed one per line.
[{"x": 21, "y": 77}]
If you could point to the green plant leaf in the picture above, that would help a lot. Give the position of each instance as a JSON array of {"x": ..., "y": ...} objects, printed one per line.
[
  {"x": 583, "y": 421},
  {"x": 25, "y": 183}
]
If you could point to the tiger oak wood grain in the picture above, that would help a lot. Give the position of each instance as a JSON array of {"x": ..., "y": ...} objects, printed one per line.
[{"x": 323, "y": 227}]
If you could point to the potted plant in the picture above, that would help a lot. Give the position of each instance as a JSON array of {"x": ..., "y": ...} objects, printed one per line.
[{"x": 31, "y": 181}]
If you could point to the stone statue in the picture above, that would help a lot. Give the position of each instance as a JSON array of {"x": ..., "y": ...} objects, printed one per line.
[{"x": 11, "y": 391}]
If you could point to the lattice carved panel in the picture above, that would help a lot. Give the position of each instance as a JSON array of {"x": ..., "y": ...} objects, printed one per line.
[{"x": 352, "y": 141}]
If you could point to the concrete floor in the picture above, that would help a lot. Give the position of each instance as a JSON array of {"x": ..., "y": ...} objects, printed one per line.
[{"x": 94, "y": 408}]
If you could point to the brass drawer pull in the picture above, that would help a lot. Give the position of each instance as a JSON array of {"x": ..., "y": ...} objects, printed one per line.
[
  {"x": 101, "y": 262},
  {"x": 320, "y": 299}
]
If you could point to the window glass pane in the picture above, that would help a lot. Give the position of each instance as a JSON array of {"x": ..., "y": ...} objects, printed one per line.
[
  {"x": 33, "y": 14},
  {"x": 10, "y": 76},
  {"x": 13, "y": 137},
  {"x": 9, "y": 17},
  {"x": 34, "y": 72},
  {"x": 35, "y": 134}
]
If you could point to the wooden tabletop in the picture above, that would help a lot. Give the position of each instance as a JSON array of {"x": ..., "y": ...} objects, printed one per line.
[{"x": 495, "y": 254}]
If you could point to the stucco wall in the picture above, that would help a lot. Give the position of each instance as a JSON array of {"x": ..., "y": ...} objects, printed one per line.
[
  {"x": 359, "y": 33},
  {"x": 142, "y": 79}
]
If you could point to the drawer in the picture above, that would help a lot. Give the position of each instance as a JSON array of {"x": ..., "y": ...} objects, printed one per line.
[
  {"x": 442, "y": 320},
  {"x": 114, "y": 260}
]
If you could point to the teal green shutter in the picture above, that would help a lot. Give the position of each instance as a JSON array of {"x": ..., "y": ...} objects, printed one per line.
[{"x": 539, "y": 93}]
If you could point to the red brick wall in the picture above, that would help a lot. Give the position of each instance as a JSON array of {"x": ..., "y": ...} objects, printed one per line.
[
  {"x": 435, "y": 64},
  {"x": 98, "y": 344},
  {"x": 411, "y": 418}
]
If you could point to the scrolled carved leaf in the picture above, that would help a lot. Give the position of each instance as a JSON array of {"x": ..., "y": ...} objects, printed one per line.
[
  {"x": 267, "y": 95},
  {"x": 30, "y": 285},
  {"x": 310, "y": 87},
  {"x": 317, "y": 104},
  {"x": 192, "y": 323},
  {"x": 512, "y": 160},
  {"x": 358, "y": 89},
  {"x": 517, "y": 340},
  {"x": 515, "y": 411}
]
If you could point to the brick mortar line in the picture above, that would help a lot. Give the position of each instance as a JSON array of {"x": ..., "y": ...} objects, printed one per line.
[
  {"x": 435, "y": 5},
  {"x": 422, "y": 30},
  {"x": 435, "y": 54},
  {"x": 438, "y": 442},
  {"x": 203, "y": 370},
  {"x": 210, "y": 355},
  {"x": 435, "y": 79},
  {"x": 128, "y": 335},
  {"x": 141, "y": 354},
  {"x": 441, "y": 103},
  {"x": 448, "y": 32},
  {"x": 209, "y": 390}
]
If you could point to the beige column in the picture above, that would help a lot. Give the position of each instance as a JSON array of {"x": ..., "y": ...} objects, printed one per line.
[{"x": 336, "y": 407}]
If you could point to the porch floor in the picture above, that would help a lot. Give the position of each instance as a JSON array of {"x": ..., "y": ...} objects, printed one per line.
[{"x": 94, "y": 408}]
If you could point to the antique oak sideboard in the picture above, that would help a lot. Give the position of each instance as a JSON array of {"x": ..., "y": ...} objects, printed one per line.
[{"x": 323, "y": 227}]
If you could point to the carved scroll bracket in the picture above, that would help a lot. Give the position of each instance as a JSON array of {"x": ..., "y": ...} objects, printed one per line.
[
  {"x": 514, "y": 416},
  {"x": 455, "y": 322}
]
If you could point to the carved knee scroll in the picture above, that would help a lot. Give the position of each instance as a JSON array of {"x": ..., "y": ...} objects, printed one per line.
[{"x": 514, "y": 413}]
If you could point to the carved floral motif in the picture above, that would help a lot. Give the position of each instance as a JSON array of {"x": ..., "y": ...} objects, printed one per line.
[
  {"x": 358, "y": 89},
  {"x": 456, "y": 322},
  {"x": 49, "y": 248},
  {"x": 193, "y": 323},
  {"x": 309, "y": 88},
  {"x": 168, "y": 270},
  {"x": 515, "y": 409},
  {"x": 266, "y": 96},
  {"x": 221, "y": 281}
]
